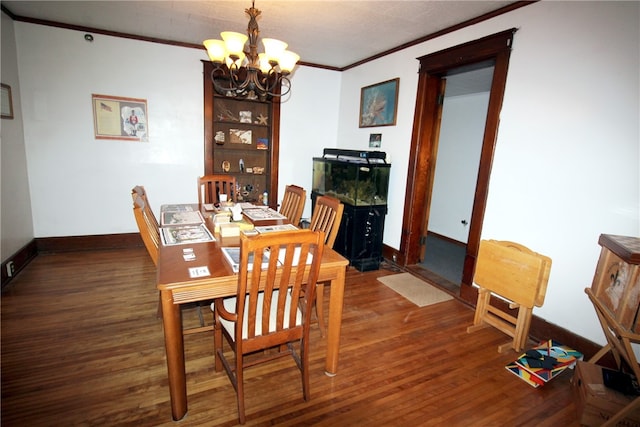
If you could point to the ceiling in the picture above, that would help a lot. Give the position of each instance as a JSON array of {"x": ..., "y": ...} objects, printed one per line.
[{"x": 323, "y": 32}]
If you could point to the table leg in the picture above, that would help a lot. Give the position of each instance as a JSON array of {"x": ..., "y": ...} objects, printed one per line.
[
  {"x": 174, "y": 347},
  {"x": 335, "y": 322}
]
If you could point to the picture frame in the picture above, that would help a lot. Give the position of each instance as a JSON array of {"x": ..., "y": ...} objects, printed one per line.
[
  {"x": 121, "y": 118},
  {"x": 375, "y": 140},
  {"x": 240, "y": 136},
  {"x": 6, "y": 111},
  {"x": 379, "y": 104}
]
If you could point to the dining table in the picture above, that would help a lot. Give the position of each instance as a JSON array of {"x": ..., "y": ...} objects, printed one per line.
[{"x": 195, "y": 272}]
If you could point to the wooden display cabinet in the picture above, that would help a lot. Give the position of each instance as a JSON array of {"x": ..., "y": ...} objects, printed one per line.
[{"x": 241, "y": 138}]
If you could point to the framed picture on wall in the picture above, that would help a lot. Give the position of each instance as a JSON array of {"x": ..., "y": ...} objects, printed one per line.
[
  {"x": 379, "y": 104},
  {"x": 117, "y": 117}
]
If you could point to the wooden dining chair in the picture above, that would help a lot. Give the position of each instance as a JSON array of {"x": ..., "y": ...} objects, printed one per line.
[
  {"x": 150, "y": 233},
  {"x": 326, "y": 217},
  {"x": 265, "y": 314},
  {"x": 516, "y": 274},
  {"x": 211, "y": 186},
  {"x": 147, "y": 224},
  {"x": 293, "y": 203}
]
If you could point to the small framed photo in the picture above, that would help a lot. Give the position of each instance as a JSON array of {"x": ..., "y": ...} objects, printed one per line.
[
  {"x": 375, "y": 140},
  {"x": 379, "y": 104},
  {"x": 7, "y": 102}
]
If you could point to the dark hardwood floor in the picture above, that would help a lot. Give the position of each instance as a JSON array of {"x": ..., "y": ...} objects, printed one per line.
[{"x": 81, "y": 345}]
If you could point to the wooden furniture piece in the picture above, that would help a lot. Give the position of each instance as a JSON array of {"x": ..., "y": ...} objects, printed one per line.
[
  {"x": 177, "y": 287},
  {"x": 619, "y": 343},
  {"x": 615, "y": 295},
  {"x": 211, "y": 186},
  {"x": 241, "y": 139},
  {"x": 293, "y": 203},
  {"x": 147, "y": 223},
  {"x": 616, "y": 281},
  {"x": 147, "y": 226},
  {"x": 517, "y": 274},
  {"x": 326, "y": 217},
  {"x": 265, "y": 314},
  {"x": 150, "y": 233}
]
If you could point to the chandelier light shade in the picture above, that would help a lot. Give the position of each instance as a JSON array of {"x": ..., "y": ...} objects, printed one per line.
[{"x": 245, "y": 73}]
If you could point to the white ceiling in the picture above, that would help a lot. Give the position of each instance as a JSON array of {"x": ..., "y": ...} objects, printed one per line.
[{"x": 322, "y": 32}]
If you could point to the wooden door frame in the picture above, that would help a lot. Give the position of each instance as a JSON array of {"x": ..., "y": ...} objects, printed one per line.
[
  {"x": 433, "y": 67},
  {"x": 433, "y": 153}
]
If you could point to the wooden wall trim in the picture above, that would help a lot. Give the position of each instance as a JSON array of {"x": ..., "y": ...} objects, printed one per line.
[
  {"x": 37, "y": 246},
  {"x": 495, "y": 48},
  {"x": 88, "y": 243},
  {"x": 486, "y": 16},
  {"x": 20, "y": 260}
]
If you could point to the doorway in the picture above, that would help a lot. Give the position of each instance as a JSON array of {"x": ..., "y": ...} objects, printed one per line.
[
  {"x": 457, "y": 158},
  {"x": 434, "y": 69}
]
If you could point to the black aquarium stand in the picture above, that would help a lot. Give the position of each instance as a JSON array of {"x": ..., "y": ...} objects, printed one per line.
[{"x": 360, "y": 180}]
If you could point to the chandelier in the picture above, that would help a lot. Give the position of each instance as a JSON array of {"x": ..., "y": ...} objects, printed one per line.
[{"x": 248, "y": 74}]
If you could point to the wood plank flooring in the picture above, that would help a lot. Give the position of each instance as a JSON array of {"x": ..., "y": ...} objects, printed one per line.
[{"x": 82, "y": 346}]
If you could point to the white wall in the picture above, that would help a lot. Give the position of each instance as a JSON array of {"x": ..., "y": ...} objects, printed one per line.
[
  {"x": 307, "y": 127},
  {"x": 68, "y": 166},
  {"x": 17, "y": 226},
  {"x": 456, "y": 175},
  {"x": 566, "y": 161},
  {"x": 80, "y": 185},
  {"x": 566, "y": 164},
  {"x": 396, "y": 139}
]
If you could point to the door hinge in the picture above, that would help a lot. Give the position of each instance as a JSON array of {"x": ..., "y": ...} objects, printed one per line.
[
  {"x": 423, "y": 240},
  {"x": 441, "y": 99}
]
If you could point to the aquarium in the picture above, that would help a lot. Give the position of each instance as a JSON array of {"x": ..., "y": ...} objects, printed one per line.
[{"x": 356, "y": 178}]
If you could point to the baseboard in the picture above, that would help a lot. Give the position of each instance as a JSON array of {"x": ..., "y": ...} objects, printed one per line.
[
  {"x": 28, "y": 252},
  {"x": 393, "y": 255},
  {"x": 541, "y": 330},
  {"x": 86, "y": 243},
  {"x": 446, "y": 239},
  {"x": 20, "y": 259}
]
